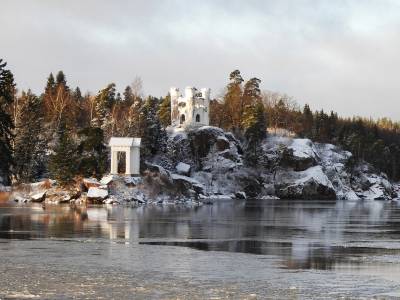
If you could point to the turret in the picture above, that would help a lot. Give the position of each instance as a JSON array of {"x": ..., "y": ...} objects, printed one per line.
[
  {"x": 205, "y": 93},
  {"x": 189, "y": 92}
]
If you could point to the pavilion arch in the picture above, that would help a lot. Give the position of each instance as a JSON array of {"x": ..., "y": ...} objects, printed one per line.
[{"x": 131, "y": 146}]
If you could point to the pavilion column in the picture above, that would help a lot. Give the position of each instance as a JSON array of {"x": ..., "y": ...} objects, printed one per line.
[
  {"x": 128, "y": 170},
  {"x": 114, "y": 162}
]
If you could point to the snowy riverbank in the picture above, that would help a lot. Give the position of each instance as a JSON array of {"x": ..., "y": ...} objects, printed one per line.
[{"x": 206, "y": 165}]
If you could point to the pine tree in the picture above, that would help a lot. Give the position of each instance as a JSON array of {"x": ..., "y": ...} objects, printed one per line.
[
  {"x": 164, "y": 111},
  {"x": 29, "y": 143},
  {"x": 63, "y": 162},
  {"x": 7, "y": 93},
  {"x": 232, "y": 106},
  {"x": 255, "y": 125}
]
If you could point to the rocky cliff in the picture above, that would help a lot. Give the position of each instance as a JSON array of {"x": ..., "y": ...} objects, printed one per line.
[{"x": 206, "y": 164}]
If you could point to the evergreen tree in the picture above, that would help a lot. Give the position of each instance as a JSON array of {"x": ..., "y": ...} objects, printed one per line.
[
  {"x": 105, "y": 99},
  {"x": 61, "y": 79},
  {"x": 308, "y": 121},
  {"x": 128, "y": 95},
  {"x": 77, "y": 94},
  {"x": 255, "y": 125},
  {"x": 233, "y": 102},
  {"x": 63, "y": 162},
  {"x": 153, "y": 136},
  {"x": 29, "y": 143},
  {"x": 164, "y": 111},
  {"x": 91, "y": 152},
  {"x": 135, "y": 119},
  {"x": 7, "y": 92}
]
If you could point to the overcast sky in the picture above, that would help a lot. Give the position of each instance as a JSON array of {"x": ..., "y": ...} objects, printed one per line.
[{"x": 340, "y": 55}]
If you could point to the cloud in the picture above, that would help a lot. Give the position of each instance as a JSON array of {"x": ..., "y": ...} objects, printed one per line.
[{"x": 340, "y": 55}]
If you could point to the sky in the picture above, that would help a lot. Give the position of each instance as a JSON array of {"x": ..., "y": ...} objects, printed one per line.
[{"x": 335, "y": 54}]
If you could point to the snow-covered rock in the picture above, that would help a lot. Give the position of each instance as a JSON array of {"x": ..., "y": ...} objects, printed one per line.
[
  {"x": 132, "y": 181},
  {"x": 91, "y": 182},
  {"x": 96, "y": 194},
  {"x": 106, "y": 180},
  {"x": 182, "y": 168},
  {"x": 300, "y": 155},
  {"x": 38, "y": 197},
  {"x": 187, "y": 183},
  {"x": 309, "y": 184}
]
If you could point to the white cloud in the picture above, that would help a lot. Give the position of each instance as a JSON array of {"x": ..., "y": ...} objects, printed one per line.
[{"x": 340, "y": 55}]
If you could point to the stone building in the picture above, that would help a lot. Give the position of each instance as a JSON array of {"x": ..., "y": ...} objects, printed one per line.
[{"x": 190, "y": 109}]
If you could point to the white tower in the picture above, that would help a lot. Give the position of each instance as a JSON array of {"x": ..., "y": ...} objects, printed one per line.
[{"x": 190, "y": 110}]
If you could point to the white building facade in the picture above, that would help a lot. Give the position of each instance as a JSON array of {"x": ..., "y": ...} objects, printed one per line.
[{"x": 191, "y": 109}]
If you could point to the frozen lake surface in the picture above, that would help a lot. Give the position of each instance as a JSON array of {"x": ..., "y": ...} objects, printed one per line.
[{"x": 231, "y": 250}]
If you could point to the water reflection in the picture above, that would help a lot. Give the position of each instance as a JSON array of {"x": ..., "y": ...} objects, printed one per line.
[{"x": 303, "y": 234}]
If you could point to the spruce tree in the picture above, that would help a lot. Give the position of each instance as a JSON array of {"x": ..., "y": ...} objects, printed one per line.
[
  {"x": 63, "y": 162},
  {"x": 7, "y": 92},
  {"x": 128, "y": 95},
  {"x": 153, "y": 136},
  {"x": 92, "y": 155},
  {"x": 105, "y": 99},
  {"x": 29, "y": 143}
]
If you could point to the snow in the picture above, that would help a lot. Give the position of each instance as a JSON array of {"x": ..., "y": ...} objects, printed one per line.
[
  {"x": 95, "y": 192},
  {"x": 315, "y": 173},
  {"x": 106, "y": 180},
  {"x": 303, "y": 148},
  {"x": 38, "y": 196},
  {"x": 124, "y": 142},
  {"x": 132, "y": 180},
  {"x": 182, "y": 168}
]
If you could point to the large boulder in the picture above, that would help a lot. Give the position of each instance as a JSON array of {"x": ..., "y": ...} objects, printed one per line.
[
  {"x": 183, "y": 169},
  {"x": 185, "y": 184},
  {"x": 96, "y": 195},
  {"x": 299, "y": 155},
  {"x": 309, "y": 184}
]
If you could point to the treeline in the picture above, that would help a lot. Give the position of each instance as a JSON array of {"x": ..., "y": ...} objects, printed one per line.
[
  {"x": 62, "y": 133},
  {"x": 377, "y": 142}
]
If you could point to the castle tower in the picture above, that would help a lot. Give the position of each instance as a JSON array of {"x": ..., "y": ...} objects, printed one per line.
[{"x": 190, "y": 110}]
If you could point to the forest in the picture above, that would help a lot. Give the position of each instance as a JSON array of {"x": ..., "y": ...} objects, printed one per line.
[{"x": 62, "y": 133}]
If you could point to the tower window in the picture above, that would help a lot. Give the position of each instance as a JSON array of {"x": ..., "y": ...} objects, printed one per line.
[
  {"x": 182, "y": 119},
  {"x": 197, "y": 118}
]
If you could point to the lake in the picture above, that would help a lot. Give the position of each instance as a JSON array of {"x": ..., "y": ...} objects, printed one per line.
[{"x": 271, "y": 249}]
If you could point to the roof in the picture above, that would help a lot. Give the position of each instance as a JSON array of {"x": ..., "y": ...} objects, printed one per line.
[{"x": 124, "y": 142}]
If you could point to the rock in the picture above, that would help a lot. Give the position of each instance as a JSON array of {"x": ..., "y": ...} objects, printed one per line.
[
  {"x": 184, "y": 184},
  {"x": 96, "y": 195},
  {"x": 38, "y": 197},
  {"x": 222, "y": 143},
  {"x": 250, "y": 184},
  {"x": 309, "y": 184},
  {"x": 241, "y": 195},
  {"x": 157, "y": 170},
  {"x": 91, "y": 182},
  {"x": 300, "y": 155},
  {"x": 106, "y": 180},
  {"x": 183, "y": 169},
  {"x": 132, "y": 181}
]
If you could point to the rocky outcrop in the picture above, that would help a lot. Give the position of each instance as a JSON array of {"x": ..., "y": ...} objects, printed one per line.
[{"x": 309, "y": 184}]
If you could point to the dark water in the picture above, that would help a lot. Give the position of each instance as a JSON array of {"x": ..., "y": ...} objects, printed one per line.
[{"x": 230, "y": 250}]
